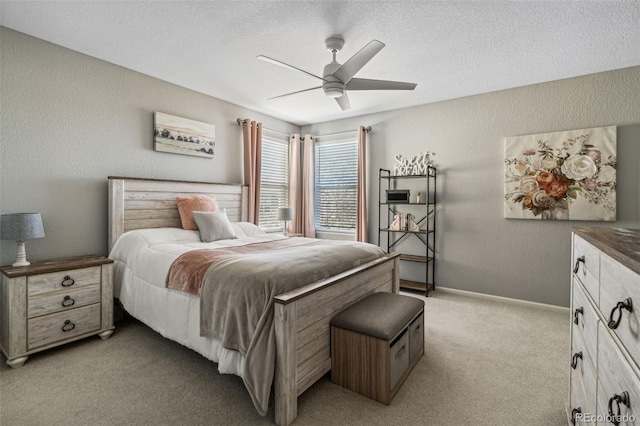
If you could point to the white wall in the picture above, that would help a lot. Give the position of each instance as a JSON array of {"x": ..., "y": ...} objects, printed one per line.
[
  {"x": 477, "y": 249},
  {"x": 70, "y": 120}
]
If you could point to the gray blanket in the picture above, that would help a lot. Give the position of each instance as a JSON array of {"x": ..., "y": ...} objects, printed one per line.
[{"x": 237, "y": 306}]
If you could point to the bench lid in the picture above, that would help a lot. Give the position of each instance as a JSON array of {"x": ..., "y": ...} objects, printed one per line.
[{"x": 380, "y": 315}]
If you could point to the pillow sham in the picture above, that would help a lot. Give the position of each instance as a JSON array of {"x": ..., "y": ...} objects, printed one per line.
[
  {"x": 186, "y": 205},
  {"x": 213, "y": 226}
]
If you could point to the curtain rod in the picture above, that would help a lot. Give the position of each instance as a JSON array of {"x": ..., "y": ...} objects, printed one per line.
[
  {"x": 240, "y": 122},
  {"x": 368, "y": 129}
]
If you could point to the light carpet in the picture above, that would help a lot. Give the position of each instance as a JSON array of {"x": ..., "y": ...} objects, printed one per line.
[{"x": 486, "y": 363}]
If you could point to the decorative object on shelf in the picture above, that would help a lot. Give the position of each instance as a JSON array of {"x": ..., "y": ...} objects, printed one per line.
[
  {"x": 285, "y": 214},
  {"x": 398, "y": 195},
  {"x": 404, "y": 222},
  {"x": 21, "y": 227},
  {"x": 567, "y": 175},
  {"x": 416, "y": 165},
  {"x": 183, "y": 136},
  {"x": 418, "y": 198}
]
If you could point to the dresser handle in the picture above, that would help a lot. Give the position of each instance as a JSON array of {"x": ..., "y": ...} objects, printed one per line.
[
  {"x": 400, "y": 351},
  {"x": 68, "y": 326},
  {"x": 68, "y": 301},
  {"x": 626, "y": 304},
  {"x": 574, "y": 360},
  {"x": 578, "y": 311},
  {"x": 67, "y": 281},
  {"x": 573, "y": 414},
  {"x": 577, "y": 267},
  {"x": 624, "y": 398}
]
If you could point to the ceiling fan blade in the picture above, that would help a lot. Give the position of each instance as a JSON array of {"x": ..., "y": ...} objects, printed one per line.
[
  {"x": 367, "y": 84},
  {"x": 293, "y": 93},
  {"x": 357, "y": 61},
  {"x": 343, "y": 101},
  {"x": 282, "y": 64}
]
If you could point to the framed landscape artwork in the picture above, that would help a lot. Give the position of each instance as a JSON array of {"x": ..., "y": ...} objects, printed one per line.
[
  {"x": 567, "y": 175},
  {"x": 183, "y": 136}
]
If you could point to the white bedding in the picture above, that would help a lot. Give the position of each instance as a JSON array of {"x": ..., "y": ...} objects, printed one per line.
[{"x": 142, "y": 260}]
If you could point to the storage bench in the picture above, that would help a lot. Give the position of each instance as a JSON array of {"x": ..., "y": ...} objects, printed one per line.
[{"x": 375, "y": 344}]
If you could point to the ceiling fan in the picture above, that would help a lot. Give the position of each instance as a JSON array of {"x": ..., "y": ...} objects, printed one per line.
[{"x": 337, "y": 78}]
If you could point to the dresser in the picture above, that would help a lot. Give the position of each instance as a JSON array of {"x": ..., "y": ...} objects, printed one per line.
[
  {"x": 605, "y": 328},
  {"x": 50, "y": 303}
]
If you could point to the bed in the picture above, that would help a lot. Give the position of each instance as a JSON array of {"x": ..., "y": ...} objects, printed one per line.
[{"x": 301, "y": 316}]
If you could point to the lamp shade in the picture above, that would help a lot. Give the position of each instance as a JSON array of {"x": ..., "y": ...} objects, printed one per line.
[
  {"x": 285, "y": 213},
  {"x": 21, "y": 226}
]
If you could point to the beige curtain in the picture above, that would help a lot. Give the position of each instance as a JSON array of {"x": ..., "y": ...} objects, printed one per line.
[
  {"x": 308, "y": 188},
  {"x": 361, "y": 214},
  {"x": 295, "y": 185},
  {"x": 252, "y": 136}
]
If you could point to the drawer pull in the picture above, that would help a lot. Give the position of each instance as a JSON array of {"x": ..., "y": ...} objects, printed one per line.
[
  {"x": 68, "y": 301},
  {"x": 67, "y": 281},
  {"x": 573, "y": 414},
  {"x": 416, "y": 330},
  {"x": 577, "y": 267},
  {"x": 400, "y": 351},
  {"x": 626, "y": 304},
  {"x": 622, "y": 398},
  {"x": 68, "y": 326},
  {"x": 578, "y": 311},
  {"x": 574, "y": 360}
]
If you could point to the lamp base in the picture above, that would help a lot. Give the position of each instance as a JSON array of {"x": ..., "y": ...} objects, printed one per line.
[{"x": 21, "y": 259}]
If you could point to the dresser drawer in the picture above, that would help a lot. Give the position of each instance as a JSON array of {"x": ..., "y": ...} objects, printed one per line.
[
  {"x": 618, "y": 285},
  {"x": 577, "y": 404},
  {"x": 585, "y": 318},
  {"x": 586, "y": 266},
  {"x": 56, "y": 281},
  {"x": 616, "y": 377},
  {"x": 63, "y": 325},
  {"x": 62, "y": 301},
  {"x": 583, "y": 370}
]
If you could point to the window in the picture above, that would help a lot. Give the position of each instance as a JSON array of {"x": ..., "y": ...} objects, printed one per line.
[
  {"x": 336, "y": 186},
  {"x": 274, "y": 183}
]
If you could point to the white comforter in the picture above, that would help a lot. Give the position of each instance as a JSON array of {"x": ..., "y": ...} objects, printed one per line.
[{"x": 142, "y": 260}]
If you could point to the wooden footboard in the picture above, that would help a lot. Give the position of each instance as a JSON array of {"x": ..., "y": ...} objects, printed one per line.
[{"x": 302, "y": 318}]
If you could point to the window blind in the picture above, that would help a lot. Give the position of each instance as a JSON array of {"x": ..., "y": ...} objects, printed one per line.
[
  {"x": 336, "y": 186},
  {"x": 274, "y": 183}
]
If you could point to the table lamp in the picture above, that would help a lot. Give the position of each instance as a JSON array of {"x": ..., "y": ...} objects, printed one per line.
[
  {"x": 285, "y": 214},
  {"x": 21, "y": 227}
]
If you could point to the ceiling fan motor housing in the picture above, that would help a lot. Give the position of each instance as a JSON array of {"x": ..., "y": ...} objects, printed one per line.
[{"x": 332, "y": 86}]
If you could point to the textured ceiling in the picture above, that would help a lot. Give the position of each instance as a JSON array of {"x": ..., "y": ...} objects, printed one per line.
[{"x": 450, "y": 49}]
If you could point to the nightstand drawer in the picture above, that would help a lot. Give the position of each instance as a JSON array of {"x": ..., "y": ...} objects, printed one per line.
[
  {"x": 56, "y": 281},
  {"x": 63, "y": 325},
  {"x": 62, "y": 301}
]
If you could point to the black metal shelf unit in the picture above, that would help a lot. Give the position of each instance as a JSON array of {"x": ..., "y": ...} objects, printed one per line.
[{"x": 426, "y": 231}]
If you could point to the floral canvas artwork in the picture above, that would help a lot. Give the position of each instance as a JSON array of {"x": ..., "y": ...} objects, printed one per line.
[{"x": 567, "y": 175}]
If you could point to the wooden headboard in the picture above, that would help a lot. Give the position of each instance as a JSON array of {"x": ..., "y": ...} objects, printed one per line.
[{"x": 136, "y": 203}]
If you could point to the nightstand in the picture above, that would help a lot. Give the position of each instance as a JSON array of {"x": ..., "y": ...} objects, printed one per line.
[{"x": 53, "y": 302}]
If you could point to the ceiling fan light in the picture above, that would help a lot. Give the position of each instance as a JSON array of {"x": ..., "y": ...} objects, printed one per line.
[{"x": 333, "y": 92}]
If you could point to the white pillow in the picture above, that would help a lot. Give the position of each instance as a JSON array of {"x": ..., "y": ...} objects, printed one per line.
[
  {"x": 250, "y": 229},
  {"x": 213, "y": 226}
]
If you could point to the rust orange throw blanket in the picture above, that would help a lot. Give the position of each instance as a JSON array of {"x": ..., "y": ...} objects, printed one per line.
[{"x": 238, "y": 287}]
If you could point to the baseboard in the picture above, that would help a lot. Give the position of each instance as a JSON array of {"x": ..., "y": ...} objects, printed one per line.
[{"x": 535, "y": 305}]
